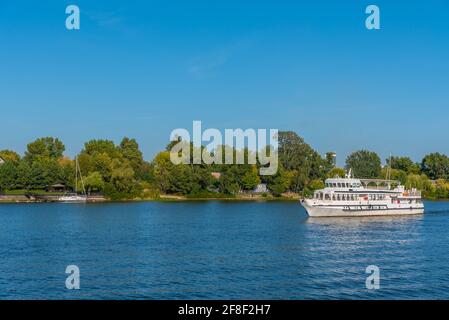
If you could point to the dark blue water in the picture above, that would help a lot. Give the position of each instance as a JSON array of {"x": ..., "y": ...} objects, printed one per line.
[{"x": 205, "y": 250}]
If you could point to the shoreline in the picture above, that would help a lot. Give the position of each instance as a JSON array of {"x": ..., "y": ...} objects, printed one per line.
[
  {"x": 181, "y": 199},
  {"x": 8, "y": 199}
]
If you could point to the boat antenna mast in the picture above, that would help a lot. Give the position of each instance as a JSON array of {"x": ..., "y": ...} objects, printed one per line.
[
  {"x": 349, "y": 174},
  {"x": 388, "y": 177},
  {"x": 78, "y": 170}
]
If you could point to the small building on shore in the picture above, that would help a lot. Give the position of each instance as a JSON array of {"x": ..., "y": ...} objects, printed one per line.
[{"x": 59, "y": 187}]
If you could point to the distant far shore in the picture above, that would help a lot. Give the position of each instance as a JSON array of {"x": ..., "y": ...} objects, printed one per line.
[{"x": 168, "y": 198}]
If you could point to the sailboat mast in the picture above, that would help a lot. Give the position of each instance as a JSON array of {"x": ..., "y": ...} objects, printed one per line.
[{"x": 76, "y": 175}]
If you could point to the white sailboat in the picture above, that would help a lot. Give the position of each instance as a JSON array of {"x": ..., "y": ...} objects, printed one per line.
[{"x": 75, "y": 197}]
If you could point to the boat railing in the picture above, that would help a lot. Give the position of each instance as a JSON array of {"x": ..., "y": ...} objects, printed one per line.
[{"x": 412, "y": 193}]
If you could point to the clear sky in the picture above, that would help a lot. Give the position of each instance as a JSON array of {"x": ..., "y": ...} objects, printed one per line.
[{"x": 143, "y": 68}]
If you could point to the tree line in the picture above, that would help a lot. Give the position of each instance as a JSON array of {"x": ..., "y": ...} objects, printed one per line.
[{"x": 120, "y": 171}]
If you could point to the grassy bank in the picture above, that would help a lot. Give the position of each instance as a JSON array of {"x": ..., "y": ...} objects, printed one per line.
[
  {"x": 35, "y": 192},
  {"x": 19, "y": 196},
  {"x": 239, "y": 197}
]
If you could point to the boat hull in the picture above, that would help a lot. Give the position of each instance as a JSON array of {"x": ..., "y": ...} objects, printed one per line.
[
  {"x": 72, "y": 199},
  {"x": 359, "y": 210}
]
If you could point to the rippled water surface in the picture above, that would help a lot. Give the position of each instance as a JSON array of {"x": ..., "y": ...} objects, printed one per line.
[{"x": 206, "y": 250}]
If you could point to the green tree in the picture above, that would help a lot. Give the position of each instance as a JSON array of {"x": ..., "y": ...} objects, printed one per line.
[
  {"x": 331, "y": 160},
  {"x": 436, "y": 166},
  {"x": 441, "y": 189},
  {"x": 316, "y": 185},
  {"x": 8, "y": 175},
  {"x": 297, "y": 156},
  {"x": 130, "y": 151},
  {"x": 403, "y": 163},
  {"x": 229, "y": 184},
  {"x": 24, "y": 175},
  {"x": 336, "y": 172},
  {"x": 395, "y": 174},
  {"x": 181, "y": 179},
  {"x": 9, "y": 155},
  {"x": 162, "y": 167},
  {"x": 101, "y": 162},
  {"x": 94, "y": 182},
  {"x": 364, "y": 164},
  {"x": 44, "y": 173},
  {"x": 122, "y": 185},
  {"x": 280, "y": 182},
  {"x": 421, "y": 182},
  {"x": 42, "y": 148},
  {"x": 250, "y": 179},
  {"x": 102, "y": 146}
]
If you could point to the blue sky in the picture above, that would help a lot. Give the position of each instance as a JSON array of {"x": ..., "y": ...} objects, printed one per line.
[{"x": 143, "y": 68}]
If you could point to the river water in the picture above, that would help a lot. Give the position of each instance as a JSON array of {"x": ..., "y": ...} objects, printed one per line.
[{"x": 219, "y": 250}]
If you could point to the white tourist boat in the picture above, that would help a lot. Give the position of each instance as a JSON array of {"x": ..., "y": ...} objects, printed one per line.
[
  {"x": 350, "y": 197},
  {"x": 75, "y": 197}
]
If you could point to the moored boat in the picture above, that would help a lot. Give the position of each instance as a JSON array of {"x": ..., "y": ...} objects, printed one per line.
[
  {"x": 75, "y": 197},
  {"x": 350, "y": 197}
]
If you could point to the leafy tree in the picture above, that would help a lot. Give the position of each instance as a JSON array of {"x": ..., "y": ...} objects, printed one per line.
[
  {"x": 297, "y": 156},
  {"x": 280, "y": 182},
  {"x": 102, "y": 146},
  {"x": 436, "y": 166},
  {"x": 44, "y": 173},
  {"x": 441, "y": 189},
  {"x": 122, "y": 181},
  {"x": 250, "y": 179},
  {"x": 229, "y": 184},
  {"x": 330, "y": 161},
  {"x": 24, "y": 175},
  {"x": 316, "y": 185},
  {"x": 8, "y": 175},
  {"x": 299, "y": 179},
  {"x": 162, "y": 167},
  {"x": 101, "y": 162},
  {"x": 403, "y": 163},
  {"x": 43, "y": 148},
  {"x": 67, "y": 171},
  {"x": 121, "y": 168},
  {"x": 181, "y": 179},
  {"x": 336, "y": 172},
  {"x": 420, "y": 182},
  {"x": 94, "y": 182},
  {"x": 364, "y": 164},
  {"x": 8, "y": 155},
  {"x": 295, "y": 153},
  {"x": 130, "y": 151},
  {"x": 395, "y": 174}
]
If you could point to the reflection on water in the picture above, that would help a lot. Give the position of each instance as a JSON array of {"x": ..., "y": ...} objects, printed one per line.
[
  {"x": 358, "y": 221},
  {"x": 207, "y": 250}
]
